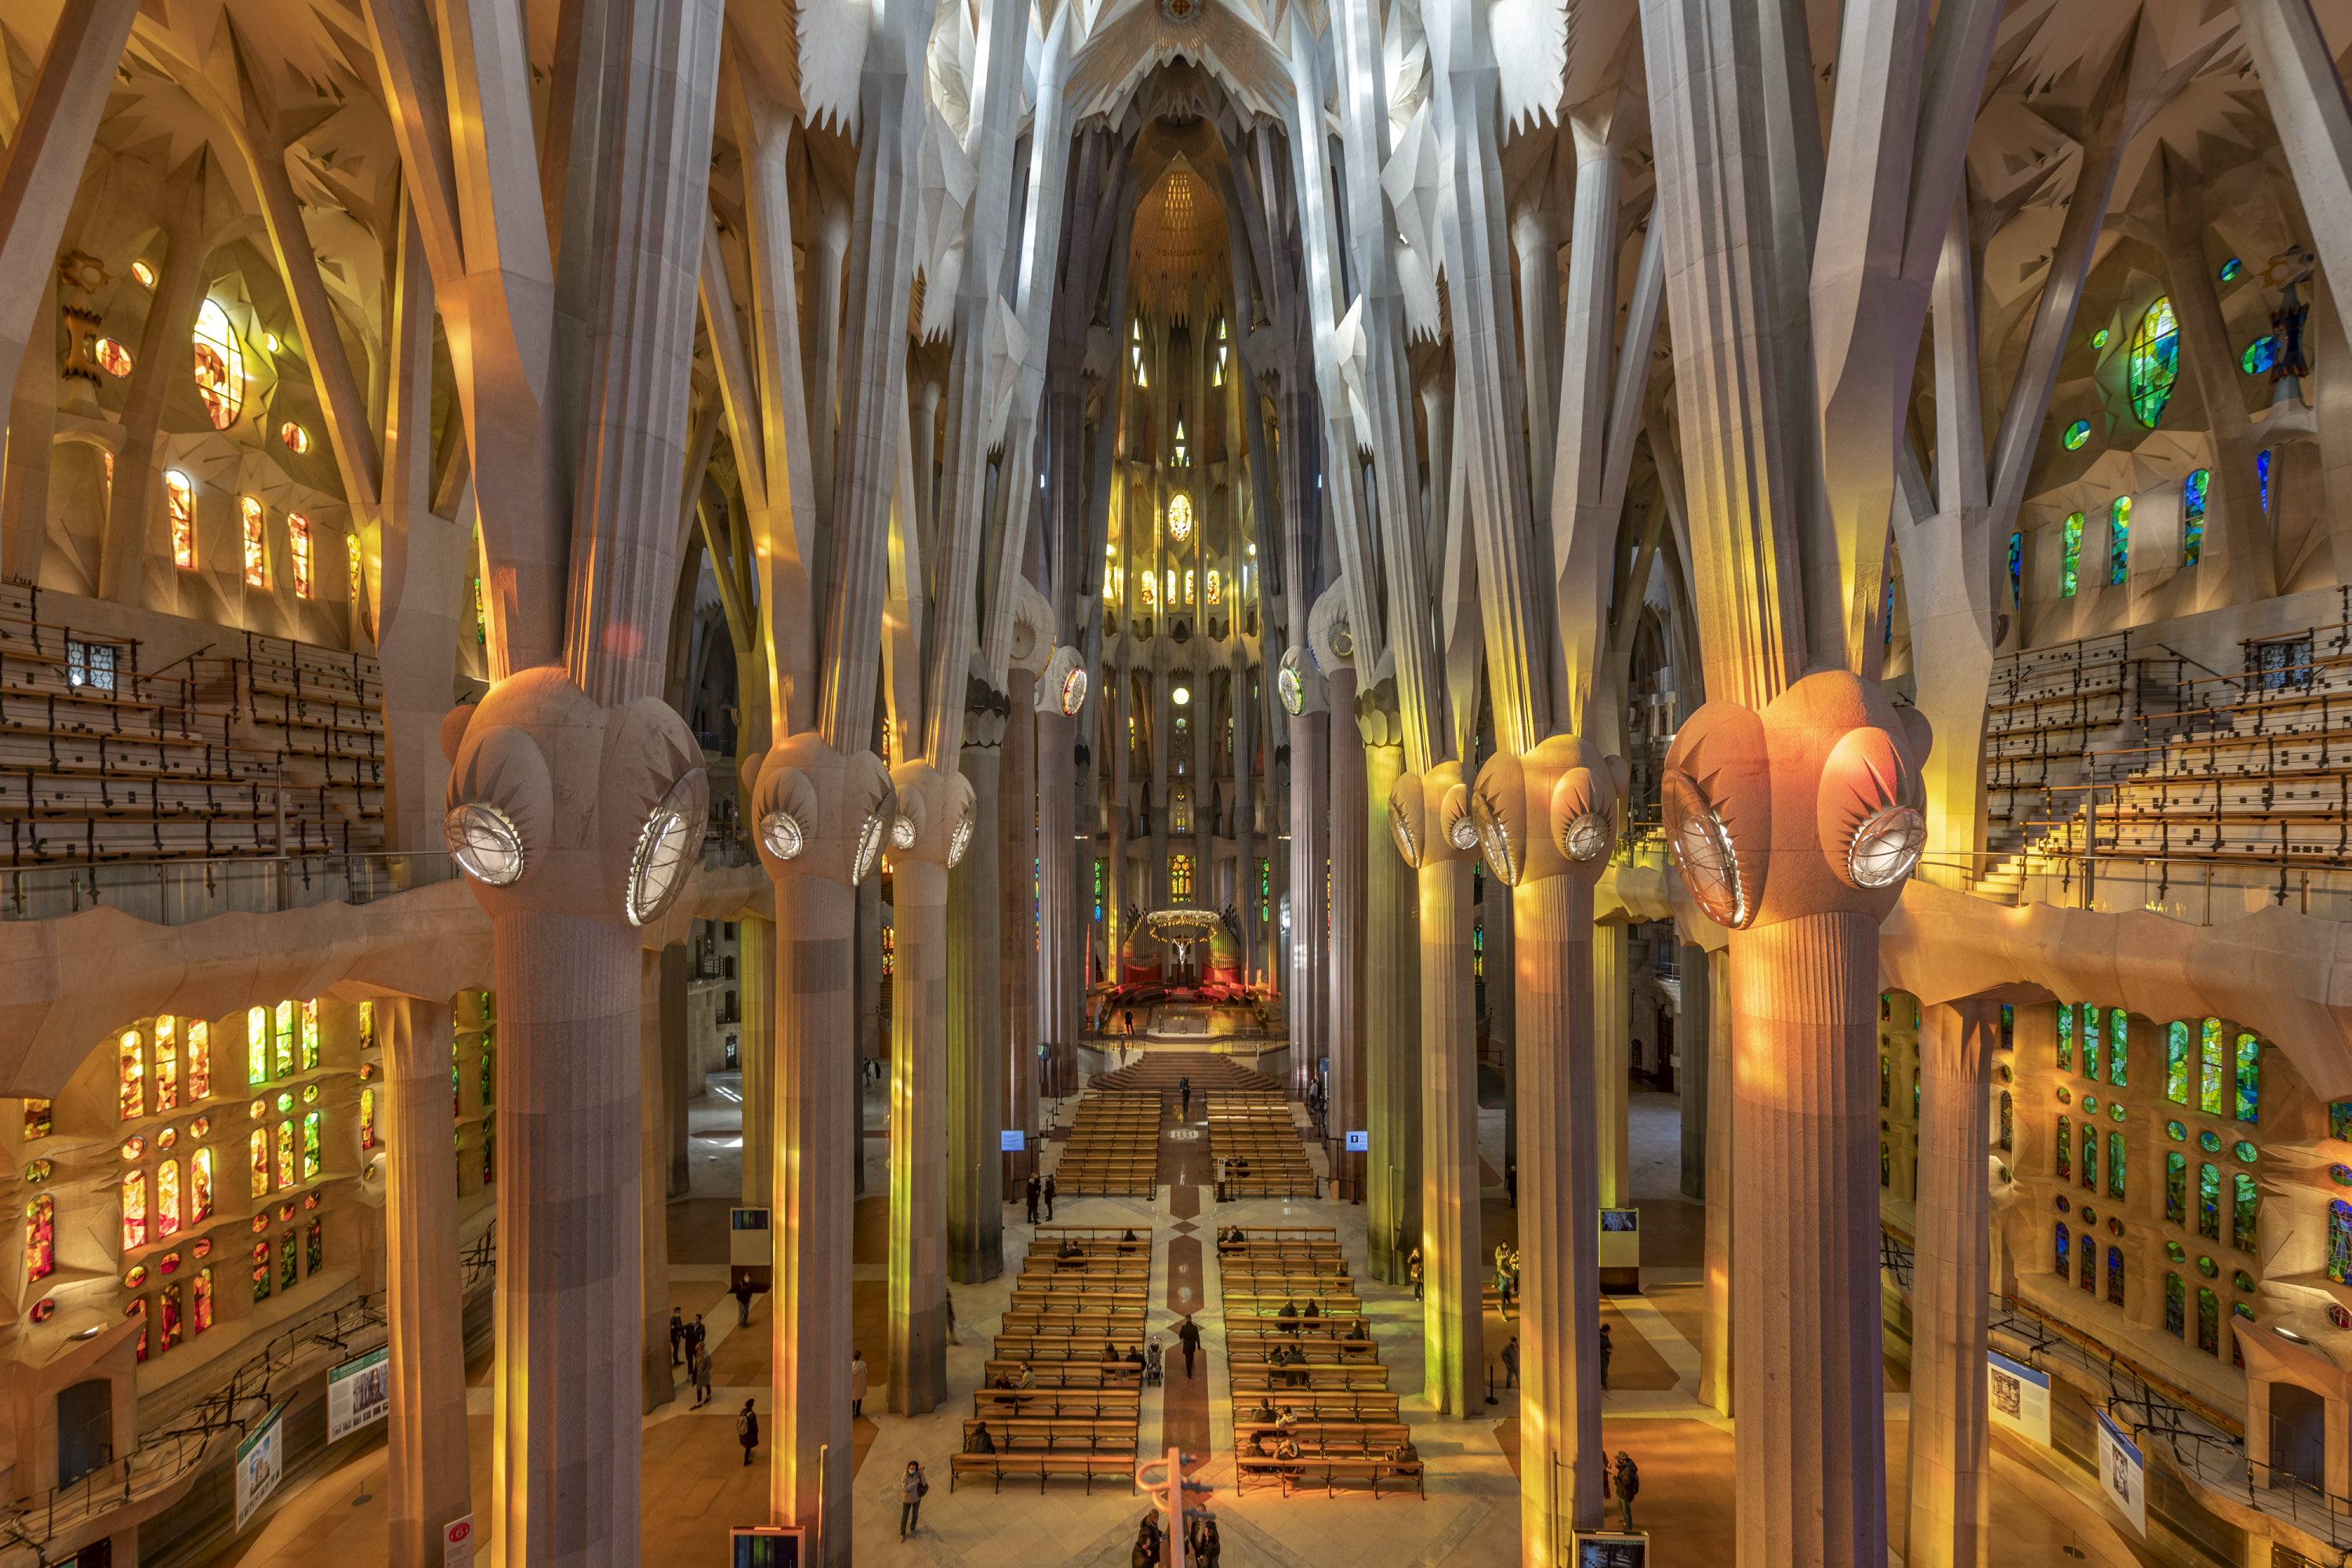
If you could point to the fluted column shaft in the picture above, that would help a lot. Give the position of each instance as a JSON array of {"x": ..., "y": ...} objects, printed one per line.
[
  {"x": 1392, "y": 1032},
  {"x": 1613, "y": 1061},
  {"x": 755, "y": 963},
  {"x": 1061, "y": 910},
  {"x": 1309, "y": 965},
  {"x": 425, "y": 1317},
  {"x": 1950, "y": 1491},
  {"x": 1560, "y": 1302},
  {"x": 1019, "y": 898},
  {"x": 568, "y": 1435},
  {"x": 1453, "y": 1303},
  {"x": 1811, "y": 1470},
  {"x": 920, "y": 1099},
  {"x": 658, "y": 1384},
  {"x": 815, "y": 1074},
  {"x": 1715, "y": 1328},
  {"x": 1349, "y": 805},
  {"x": 1497, "y": 922},
  {"x": 975, "y": 1045}
]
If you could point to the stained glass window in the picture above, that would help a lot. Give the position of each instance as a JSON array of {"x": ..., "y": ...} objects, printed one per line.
[
  {"x": 261, "y": 1148},
  {"x": 167, "y": 1199},
  {"x": 2260, "y": 356},
  {"x": 1216, "y": 586},
  {"x": 298, "y": 539},
  {"x": 138, "y": 1309},
  {"x": 196, "y": 1068},
  {"x": 2116, "y": 1276},
  {"x": 2008, "y": 1121},
  {"x": 2230, "y": 269},
  {"x": 2208, "y": 1201},
  {"x": 2208, "y": 1321},
  {"x": 1179, "y": 876},
  {"x": 2016, "y": 569},
  {"x": 2176, "y": 1063},
  {"x": 261, "y": 1271},
  {"x": 132, "y": 1075},
  {"x": 2088, "y": 1275},
  {"x": 2066, "y": 1144},
  {"x": 257, "y": 544},
  {"x": 2118, "y": 539},
  {"x": 220, "y": 366},
  {"x": 1886, "y": 1082},
  {"x": 2339, "y": 1122},
  {"x": 180, "y": 501},
  {"x": 2115, "y": 1164},
  {"x": 489, "y": 1156},
  {"x": 167, "y": 1065},
  {"x": 2176, "y": 1188},
  {"x": 284, "y": 1155},
  {"x": 2065, "y": 1037},
  {"x": 311, "y": 1146},
  {"x": 367, "y": 1119},
  {"x": 2089, "y": 1157},
  {"x": 2076, "y": 434},
  {"x": 2118, "y": 1041},
  {"x": 135, "y": 1210},
  {"x": 2263, "y": 475},
  {"x": 2244, "y": 1212},
  {"x": 310, "y": 1035},
  {"x": 200, "y": 1186},
  {"x": 2073, "y": 535},
  {"x": 367, "y": 1025},
  {"x": 170, "y": 1335},
  {"x": 257, "y": 1045},
  {"x": 2249, "y": 1078},
  {"x": 37, "y": 1119},
  {"x": 2176, "y": 1306},
  {"x": 2065, "y": 1250},
  {"x": 2339, "y": 1241},
  {"x": 489, "y": 1071},
  {"x": 41, "y": 1238},
  {"x": 200, "y": 1289},
  {"x": 284, "y": 1048},
  {"x": 287, "y": 1262},
  {"x": 2155, "y": 362},
  {"x": 2215, "y": 1068},
  {"x": 314, "y": 1247}
]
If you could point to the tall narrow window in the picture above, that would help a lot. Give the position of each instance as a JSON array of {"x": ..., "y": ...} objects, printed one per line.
[
  {"x": 285, "y": 1261},
  {"x": 314, "y": 1245},
  {"x": 2192, "y": 516},
  {"x": 200, "y": 1186},
  {"x": 172, "y": 1325},
  {"x": 167, "y": 1199},
  {"x": 2176, "y": 1188},
  {"x": 132, "y": 1075},
  {"x": 2088, "y": 1275},
  {"x": 257, "y": 1045},
  {"x": 180, "y": 501},
  {"x": 2213, "y": 1089},
  {"x": 2065, "y": 1037},
  {"x": 2155, "y": 362},
  {"x": 310, "y": 1035},
  {"x": 282, "y": 1047},
  {"x": 2115, "y": 1164},
  {"x": 2118, "y": 541},
  {"x": 2208, "y": 1321},
  {"x": 2339, "y": 1242},
  {"x": 297, "y": 540},
  {"x": 2263, "y": 475},
  {"x": 2090, "y": 1158},
  {"x": 2091, "y": 1021},
  {"x": 2008, "y": 1123},
  {"x": 41, "y": 1238},
  {"x": 196, "y": 1064},
  {"x": 2064, "y": 1250},
  {"x": 2176, "y": 1062},
  {"x": 2118, "y": 1039},
  {"x": 257, "y": 544},
  {"x": 259, "y": 1145},
  {"x": 367, "y": 1119},
  {"x": 2065, "y": 1145},
  {"x": 2208, "y": 1201},
  {"x": 311, "y": 1146},
  {"x": 262, "y": 1272},
  {"x": 2016, "y": 570},
  {"x": 284, "y": 1155},
  {"x": 2116, "y": 1276},
  {"x": 2249, "y": 1078},
  {"x": 201, "y": 1289},
  {"x": 135, "y": 1210},
  {"x": 167, "y": 1064},
  {"x": 2069, "y": 571},
  {"x": 2176, "y": 1306},
  {"x": 2245, "y": 1213},
  {"x": 220, "y": 366}
]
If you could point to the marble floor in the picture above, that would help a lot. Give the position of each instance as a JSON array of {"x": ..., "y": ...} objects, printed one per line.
[{"x": 696, "y": 1484}]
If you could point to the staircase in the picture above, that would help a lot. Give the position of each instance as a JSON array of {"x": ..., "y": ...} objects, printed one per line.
[{"x": 1159, "y": 1072}]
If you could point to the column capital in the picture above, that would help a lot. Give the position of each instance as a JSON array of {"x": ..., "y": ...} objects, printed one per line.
[
  {"x": 817, "y": 811},
  {"x": 935, "y": 815},
  {"x": 1550, "y": 812},
  {"x": 1429, "y": 815}
]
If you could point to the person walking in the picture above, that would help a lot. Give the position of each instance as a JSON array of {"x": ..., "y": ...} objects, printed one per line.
[
  {"x": 1629, "y": 1481},
  {"x": 1511, "y": 1363},
  {"x": 911, "y": 1488},
  {"x": 702, "y": 1375},
  {"x": 695, "y": 1334},
  {"x": 856, "y": 1384},
  {"x": 1188, "y": 1334},
  {"x": 1413, "y": 1272},
  {"x": 1049, "y": 1199},
  {"x": 676, "y": 1337},
  {"x": 1607, "y": 1349},
  {"x": 1184, "y": 1098},
  {"x": 747, "y": 1430},
  {"x": 743, "y": 1294},
  {"x": 1034, "y": 1191}
]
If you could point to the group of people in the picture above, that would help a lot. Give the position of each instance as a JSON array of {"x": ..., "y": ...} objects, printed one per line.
[
  {"x": 1288, "y": 1318},
  {"x": 1201, "y": 1542},
  {"x": 1024, "y": 1378},
  {"x": 1037, "y": 1190},
  {"x": 1506, "y": 1272},
  {"x": 692, "y": 1341},
  {"x": 1285, "y": 1357}
]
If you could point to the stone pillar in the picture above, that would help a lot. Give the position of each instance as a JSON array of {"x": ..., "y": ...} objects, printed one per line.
[
  {"x": 1691, "y": 1037},
  {"x": 1950, "y": 1491},
  {"x": 1612, "y": 1063},
  {"x": 866, "y": 1006},
  {"x": 430, "y": 1479},
  {"x": 1453, "y": 1309},
  {"x": 1715, "y": 1340},
  {"x": 1391, "y": 1031},
  {"x": 755, "y": 963},
  {"x": 658, "y": 1384},
  {"x": 1309, "y": 951},
  {"x": 1806, "y": 1370},
  {"x": 1348, "y": 805},
  {"x": 569, "y": 1396},
  {"x": 975, "y": 1043},
  {"x": 1496, "y": 923},
  {"x": 1062, "y": 907},
  {"x": 676, "y": 1072},
  {"x": 1020, "y": 893}
]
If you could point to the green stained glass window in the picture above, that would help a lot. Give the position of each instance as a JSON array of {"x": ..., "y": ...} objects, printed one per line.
[
  {"x": 2115, "y": 1164},
  {"x": 2339, "y": 1122},
  {"x": 311, "y": 1146},
  {"x": 2118, "y": 1036},
  {"x": 2208, "y": 1201},
  {"x": 2008, "y": 1121},
  {"x": 2176, "y": 1305},
  {"x": 2208, "y": 1321},
  {"x": 2073, "y": 535},
  {"x": 2176, "y": 1063},
  {"x": 2088, "y": 1277},
  {"x": 2090, "y": 1158},
  {"x": 2091, "y": 1043},
  {"x": 2249, "y": 1078},
  {"x": 2076, "y": 434},
  {"x": 2118, "y": 541},
  {"x": 2065, "y": 1145},
  {"x": 2230, "y": 269},
  {"x": 2066, "y": 1040},
  {"x": 2244, "y": 1211},
  {"x": 309, "y": 1035},
  {"x": 257, "y": 1045},
  {"x": 2155, "y": 362},
  {"x": 2192, "y": 516},
  {"x": 2176, "y": 1188},
  {"x": 1885, "y": 1083},
  {"x": 2209, "y": 1058},
  {"x": 285, "y": 1042},
  {"x": 286, "y": 1261},
  {"x": 2099, "y": 338},
  {"x": 2260, "y": 356}
]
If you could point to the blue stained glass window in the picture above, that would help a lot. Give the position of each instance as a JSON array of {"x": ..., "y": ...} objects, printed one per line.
[
  {"x": 2230, "y": 269},
  {"x": 2192, "y": 516},
  {"x": 2016, "y": 570},
  {"x": 2116, "y": 1276},
  {"x": 2155, "y": 362},
  {"x": 1890, "y": 610},
  {"x": 2249, "y": 1078},
  {"x": 2065, "y": 1249},
  {"x": 2262, "y": 472},
  {"x": 2260, "y": 356},
  {"x": 2339, "y": 1241},
  {"x": 2076, "y": 434},
  {"x": 2118, "y": 541},
  {"x": 2211, "y": 1066},
  {"x": 2339, "y": 1122}
]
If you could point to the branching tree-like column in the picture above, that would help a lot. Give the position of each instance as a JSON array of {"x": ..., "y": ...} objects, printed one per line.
[
  {"x": 1950, "y": 1491},
  {"x": 1348, "y": 805}
]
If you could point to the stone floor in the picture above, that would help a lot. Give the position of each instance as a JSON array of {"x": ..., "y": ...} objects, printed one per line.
[{"x": 696, "y": 1485}]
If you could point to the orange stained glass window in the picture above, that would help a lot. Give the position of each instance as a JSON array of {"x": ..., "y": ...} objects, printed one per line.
[
  {"x": 310, "y": 1034},
  {"x": 202, "y": 1289},
  {"x": 138, "y": 1309},
  {"x": 220, "y": 366},
  {"x": 297, "y": 534},
  {"x": 195, "y": 1064},
  {"x": 40, "y": 1238},
  {"x": 132, "y": 1075},
  {"x": 367, "y": 1119},
  {"x": 261, "y": 1148},
  {"x": 296, "y": 439},
  {"x": 172, "y": 1325},
  {"x": 285, "y": 1038},
  {"x": 113, "y": 358},
  {"x": 167, "y": 1199},
  {"x": 180, "y": 499},
  {"x": 200, "y": 1186},
  {"x": 135, "y": 1210},
  {"x": 256, "y": 546},
  {"x": 286, "y": 1177},
  {"x": 167, "y": 1064}
]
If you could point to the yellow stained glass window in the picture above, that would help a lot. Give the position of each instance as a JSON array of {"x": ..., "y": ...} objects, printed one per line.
[
  {"x": 1216, "y": 586},
  {"x": 1179, "y": 512},
  {"x": 180, "y": 499},
  {"x": 167, "y": 1065},
  {"x": 284, "y": 1155},
  {"x": 197, "y": 1061},
  {"x": 310, "y": 1155},
  {"x": 220, "y": 366},
  {"x": 113, "y": 358},
  {"x": 296, "y": 439},
  {"x": 285, "y": 1042},
  {"x": 259, "y": 1145},
  {"x": 200, "y": 1186},
  {"x": 309, "y": 1034},
  {"x": 135, "y": 1210},
  {"x": 167, "y": 1199},
  {"x": 257, "y": 545},
  {"x": 257, "y": 1045},
  {"x": 132, "y": 1075},
  {"x": 297, "y": 536}
]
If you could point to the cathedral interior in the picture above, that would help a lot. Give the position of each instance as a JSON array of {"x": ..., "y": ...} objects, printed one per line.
[{"x": 1668, "y": 672}]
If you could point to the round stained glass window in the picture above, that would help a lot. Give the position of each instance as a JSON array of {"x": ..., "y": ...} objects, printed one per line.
[
  {"x": 203, "y": 1248},
  {"x": 2260, "y": 356},
  {"x": 2064, "y": 1206},
  {"x": 2090, "y": 1105},
  {"x": 2245, "y": 1152},
  {"x": 310, "y": 1200},
  {"x": 2090, "y": 1215},
  {"x": 2099, "y": 338},
  {"x": 2114, "y": 1226},
  {"x": 2114, "y": 1111},
  {"x": 170, "y": 1264},
  {"x": 136, "y": 1277},
  {"x": 285, "y": 1211},
  {"x": 285, "y": 1102},
  {"x": 2172, "y": 1250},
  {"x": 2343, "y": 1174},
  {"x": 40, "y": 1171},
  {"x": 258, "y": 1109},
  {"x": 200, "y": 1126},
  {"x": 2064, "y": 1098},
  {"x": 2174, "y": 1130},
  {"x": 2230, "y": 269},
  {"x": 47, "y": 1308},
  {"x": 167, "y": 1138},
  {"x": 2076, "y": 434},
  {"x": 311, "y": 1095},
  {"x": 2155, "y": 362},
  {"x": 2209, "y": 1141},
  {"x": 2242, "y": 1282},
  {"x": 2006, "y": 1074},
  {"x": 133, "y": 1147},
  {"x": 261, "y": 1220},
  {"x": 2338, "y": 1316},
  {"x": 2207, "y": 1268}
]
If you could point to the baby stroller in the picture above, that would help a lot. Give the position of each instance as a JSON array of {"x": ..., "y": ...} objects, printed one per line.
[{"x": 1151, "y": 1363}]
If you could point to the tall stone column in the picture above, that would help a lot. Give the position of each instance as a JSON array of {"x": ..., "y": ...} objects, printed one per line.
[
  {"x": 976, "y": 975},
  {"x": 677, "y": 1073},
  {"x": 1498, "y": 936},
  {"x": 1691, "y": 1033},
  {"x": 869, "y": 1044},
  {"x": 430, "y": 1480},
  {"x": 658, "y": 1385},
  {"x": 1243, "y": 791},
  {"x": 1020, "y": 897},
  {"x": 1612, "y": 1064},
  {"x": 755, "y": 964},
  {"x": 1715, "y": 1340},
  {"x": 1950, "y": 1491},
  {"x": 1392, "y": 1027},
  {"x": 922, "y": 1094},
  {"x": 821, "y": 820},
  {"x": 1430, "y": 819},
  {"x": 1350, "y": 805},
  {"x": 1062, "y": 864},
  {"x": 1310, "y": 948}
]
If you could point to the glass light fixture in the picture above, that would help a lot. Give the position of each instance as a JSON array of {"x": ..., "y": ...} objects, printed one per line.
[
  {"x": 781, "y": 834},
  {"x": 484, "y": 842},
  {"x": 902, "y": 833},
  {"x": 1587, "y": 837},
  {"x": 1465, "y": 834},
  {"x": 1292, "y": 690},
  {"x": 869, "y": 846},
  {"x": 1711, "y": 866},
  {"x": 665, "y": 848},
  {"x": 1181, "y": 695},
  {"x": 1074, "y": 690},
  {"x": 1887, "y": 846},
  {"x": 959, "y": 838}
]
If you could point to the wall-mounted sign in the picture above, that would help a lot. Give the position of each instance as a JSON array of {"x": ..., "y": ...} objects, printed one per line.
[
  {"x": 260, "y": 1463},
  {"x": 1013, "y": 1140},
  {"x": 2020, "y": 1396},
  {"x": 357, "y": 1392},
  {"x": 1360, "y": 1143}
]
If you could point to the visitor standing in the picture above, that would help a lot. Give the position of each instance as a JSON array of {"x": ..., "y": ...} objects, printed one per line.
[
  {"x": 1049, "y": 1199},
  {"x": 1629, "y": 1481},
  {"x": 1184, "y": 1098},
  {"x": 1188, "y": 1334},
  {"x": 1413, "y": 1272},
  {"x": 747, "y": 1430},
  {"x": 911, "y": 1488},
  {"x": 695, "y": 1334},
  {"x": 1033, "y": 1190},
  {"x": 1607, "y": 1349},
  {"x": 702, "y": 1360},
  {"x": 677, "y": 1336},
  {"x": 1511, "y": 1363},
  {"x": 743, "y": 1294},
  {"x": 856, "y": 1384}
]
